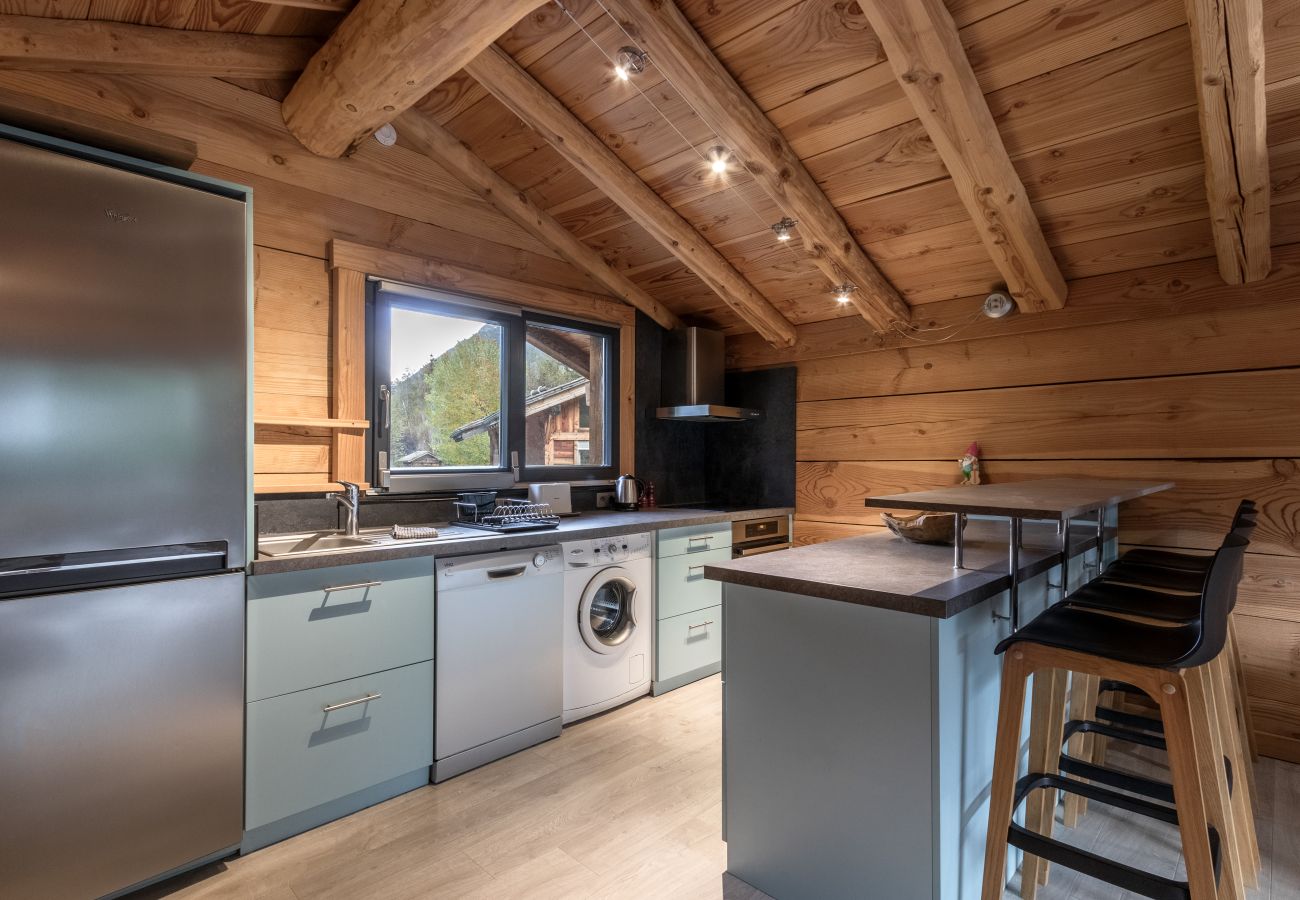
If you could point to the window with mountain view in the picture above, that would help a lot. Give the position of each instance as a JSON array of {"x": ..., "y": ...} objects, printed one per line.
[{"x": 471, "y": 394}]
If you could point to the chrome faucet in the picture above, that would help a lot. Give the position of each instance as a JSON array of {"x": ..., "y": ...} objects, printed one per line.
[{"x": 350, "y": 499}]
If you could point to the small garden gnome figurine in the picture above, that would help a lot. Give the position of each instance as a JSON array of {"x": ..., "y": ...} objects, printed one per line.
[{"x": 970, "y": 464}]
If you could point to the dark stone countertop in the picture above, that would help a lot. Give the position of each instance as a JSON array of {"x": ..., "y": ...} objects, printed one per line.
[
  {"x": 587, "y": 525},
  {"x": 887, "y": 572}
]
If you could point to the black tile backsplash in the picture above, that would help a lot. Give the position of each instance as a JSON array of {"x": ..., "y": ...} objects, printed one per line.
[{"x": 748, "y": 463}]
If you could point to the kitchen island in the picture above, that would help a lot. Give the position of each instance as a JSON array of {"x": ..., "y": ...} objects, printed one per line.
[{"x": 860, "y": 706}]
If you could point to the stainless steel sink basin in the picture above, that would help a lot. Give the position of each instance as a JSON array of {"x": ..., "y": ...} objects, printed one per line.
[
  {"x": 330, "y": 541},
  {"x": 316, "y": 542}
]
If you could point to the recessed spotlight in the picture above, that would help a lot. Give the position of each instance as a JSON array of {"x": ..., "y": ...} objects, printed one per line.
[
  {"x": 629, "y": 61},
  {"x": 844, "y": 292},
  {"x": 718, "y": 160},
  {"x": 782, "y": 229},
  {"x": 998, "y": 304}
]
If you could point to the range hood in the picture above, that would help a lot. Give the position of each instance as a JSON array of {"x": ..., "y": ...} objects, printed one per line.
[{"x": 693, "y": 363}]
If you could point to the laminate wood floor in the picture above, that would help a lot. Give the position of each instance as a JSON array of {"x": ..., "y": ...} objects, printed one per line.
[{"x": 625, "y": 805}]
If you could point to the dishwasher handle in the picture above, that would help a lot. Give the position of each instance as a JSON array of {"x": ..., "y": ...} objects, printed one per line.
[{"x": 507, "y": 572}]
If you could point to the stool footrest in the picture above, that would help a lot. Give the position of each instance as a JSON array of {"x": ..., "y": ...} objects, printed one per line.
[
  {"x": 1145, "y": 739},
  {"x": 1164, "y": 791},
  {"x": 1130, "y": 720},
  {"x": 1114, "y": 873},
  {"x": 1136, "y": 784},
  {"x": 1122, "y": 687}
]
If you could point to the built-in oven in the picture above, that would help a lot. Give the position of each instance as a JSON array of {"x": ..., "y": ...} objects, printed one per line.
[{"x": 750, "y": 537}]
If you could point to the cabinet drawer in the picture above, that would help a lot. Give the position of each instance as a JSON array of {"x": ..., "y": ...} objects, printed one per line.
[
  {"x": 324, "y": 625},
  {"x": 682, "y": 587},
  {"x": 694, "y": 539},
  {"x": 300, "y": 755},
  {"x": 689, "y": 642}
]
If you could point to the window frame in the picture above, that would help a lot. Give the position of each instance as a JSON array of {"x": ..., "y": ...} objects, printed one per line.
[
  {"x": 514, "y": 470},
  {"x": 608, "y": 472}
]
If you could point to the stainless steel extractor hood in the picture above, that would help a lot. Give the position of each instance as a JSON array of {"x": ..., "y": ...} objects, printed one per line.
[{"x": 693, "y": 363}]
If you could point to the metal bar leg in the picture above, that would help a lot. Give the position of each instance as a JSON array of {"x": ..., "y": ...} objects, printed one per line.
[
  {"x": 1101, "y": 540},
  {"x": 1065, "y": 558},
  {"x": 1013, "y": 559},
  {"x": 958, "y": 545}
]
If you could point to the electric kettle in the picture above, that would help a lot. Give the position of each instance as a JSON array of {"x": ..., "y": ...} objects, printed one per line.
[{"x": 627, "y": 492}]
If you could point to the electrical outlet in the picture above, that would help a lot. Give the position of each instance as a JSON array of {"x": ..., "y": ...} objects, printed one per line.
[{"x": 604, "y": 500}]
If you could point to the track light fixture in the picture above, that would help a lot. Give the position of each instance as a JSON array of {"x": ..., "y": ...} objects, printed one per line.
[
  {"x": 629, "y": 61},
  {"x": 718, "y": 157},
  {"x": 844, "y": 292},
  {"x": 782, "y": 229}
]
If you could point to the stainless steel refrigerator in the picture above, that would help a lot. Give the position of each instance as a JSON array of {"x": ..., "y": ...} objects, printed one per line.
[{"x": 123, "y": 511}]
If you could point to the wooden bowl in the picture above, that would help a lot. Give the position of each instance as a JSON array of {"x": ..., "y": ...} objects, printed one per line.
[{"x": 924, "y": 527}]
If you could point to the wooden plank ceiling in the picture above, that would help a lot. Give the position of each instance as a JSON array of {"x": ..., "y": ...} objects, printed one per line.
[{"x": 1095, "y": 102}]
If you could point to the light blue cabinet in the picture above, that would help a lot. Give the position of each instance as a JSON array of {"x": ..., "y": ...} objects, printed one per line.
[
  {"x": 310, "y": 747},
  {"x": 682, "y": 585},
  {"x": 690, "y": 645},
  {"x": 323, "y": 625},
  {"x": 688, "y": 606},
  {"x": 693, "y": 539},
  {"x": 340, "y": 693}
]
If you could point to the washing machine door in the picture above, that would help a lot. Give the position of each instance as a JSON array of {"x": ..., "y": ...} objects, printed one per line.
[{"x": 606, "y": 616}]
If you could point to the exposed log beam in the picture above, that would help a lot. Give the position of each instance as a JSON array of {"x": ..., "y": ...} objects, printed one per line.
[
  {"x": 1228, "y": 58},
  {"x": 921, "y": 42},
  {"x": 433, "y": 140},
  {"x": 679, "y": 52},
  {"x": 35, "y": 43},
  {"x": 383, "y": 57},
  {"x": 514, "y": 87},
  {"x": 338, "y": 6}
]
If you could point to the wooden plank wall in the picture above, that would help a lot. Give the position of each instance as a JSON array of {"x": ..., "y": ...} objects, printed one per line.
[
  {"x": 395, "y": 199},
  {"x": 1161, "y": 373}
]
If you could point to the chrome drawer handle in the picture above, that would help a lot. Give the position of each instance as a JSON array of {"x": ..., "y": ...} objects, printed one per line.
[
  {"x": 333, "y": 707},
  {"x": 700, "y": 625},
  {"x": 360, "y": 585},
  {"x": 690, "y": 569}
]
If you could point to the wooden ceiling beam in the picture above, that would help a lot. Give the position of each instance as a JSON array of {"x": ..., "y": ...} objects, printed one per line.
[
  {"x": 332, "y": 6},
  {"x": 431, "y": 139},
  {"x": 382, "y": 58},
  {"x": 505, "y": 80},
  {"x": 35, "y": 43},
  {"x": 923, "y": 47},
  {"x": 681, "y": 54},
  {"x": 1228, "y": 59}
]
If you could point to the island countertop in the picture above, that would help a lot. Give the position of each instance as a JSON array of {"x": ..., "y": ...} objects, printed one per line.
[{"x": 887, "y": 572}]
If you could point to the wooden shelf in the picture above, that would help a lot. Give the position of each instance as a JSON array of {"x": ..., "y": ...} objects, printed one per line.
[
  {"x": 309, "y": 422},
  {"x": 306, "y": 487}
]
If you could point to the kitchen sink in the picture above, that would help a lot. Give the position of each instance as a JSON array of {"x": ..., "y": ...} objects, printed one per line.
[
  {"x": 316, "y": 542},
  {"x": 330, "y": 541}
]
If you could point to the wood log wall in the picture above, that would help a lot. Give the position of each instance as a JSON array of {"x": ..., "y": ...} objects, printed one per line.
[
  {"x": 395, "y": 199},
  {"x": 1160, "y": 373}
]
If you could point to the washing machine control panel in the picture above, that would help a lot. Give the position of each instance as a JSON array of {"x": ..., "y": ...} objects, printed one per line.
[{"x": 606, "y": 551}]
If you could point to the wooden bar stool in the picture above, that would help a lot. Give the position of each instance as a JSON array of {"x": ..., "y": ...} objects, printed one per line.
[
  {"x": 1169, "y": 665},
  {"x": 1125, "y": 587}
]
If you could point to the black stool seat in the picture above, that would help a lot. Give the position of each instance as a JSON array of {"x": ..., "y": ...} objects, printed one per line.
[
  {"x": 1155, "y": 577},
  {"x": 1169, "y": 559},
  {"x": 1140, "y": 601},
  {"x": 1095, "y": 633}
]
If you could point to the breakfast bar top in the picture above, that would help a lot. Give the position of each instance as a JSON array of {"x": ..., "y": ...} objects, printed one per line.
[{"x": 1047, "y": 498}]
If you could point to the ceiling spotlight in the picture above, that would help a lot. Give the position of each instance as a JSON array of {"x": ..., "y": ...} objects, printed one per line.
[
  {"x": 844, "y": 292},
  {"x": 629, "y": 61},
  {"x": 718, "y": 160},
  {"x": 782, "y": 229},
  {"x": 997, "y": 305}
]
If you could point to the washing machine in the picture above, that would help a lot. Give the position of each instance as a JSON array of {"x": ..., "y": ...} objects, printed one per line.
[{"x": 608, "y": 622}]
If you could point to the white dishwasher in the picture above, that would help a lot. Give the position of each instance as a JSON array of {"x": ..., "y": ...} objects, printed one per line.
[{"x": 499, "y": 661}]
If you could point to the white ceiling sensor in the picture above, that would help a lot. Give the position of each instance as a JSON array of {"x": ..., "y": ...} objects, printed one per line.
[
  {"x": 998, "y": 305},
  {"x": 386, "y": 135}
]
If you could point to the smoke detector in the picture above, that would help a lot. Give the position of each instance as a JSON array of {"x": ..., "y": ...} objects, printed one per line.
[
  {"x": 998, "y": 305},
  {"x": 386, "y": 135}
]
